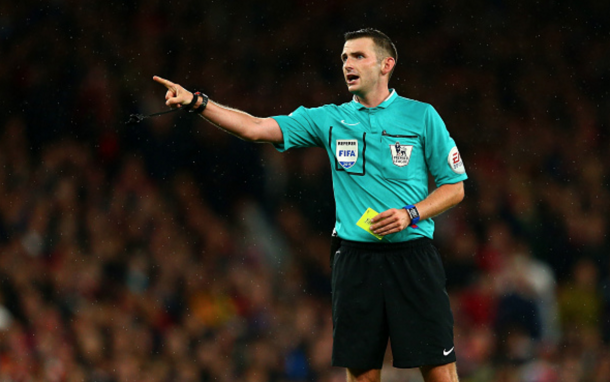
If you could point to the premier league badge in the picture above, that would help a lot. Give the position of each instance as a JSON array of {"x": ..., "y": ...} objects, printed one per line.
[
  {"x": 401, "y": 154},
  {"x": 347, "y": 152}
]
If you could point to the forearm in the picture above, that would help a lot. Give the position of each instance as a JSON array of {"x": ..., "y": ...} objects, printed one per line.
[
  {"x": 440, "y": 200},
  {"x": 396, "y": 219},
  {"x": 238, "y": 123}
]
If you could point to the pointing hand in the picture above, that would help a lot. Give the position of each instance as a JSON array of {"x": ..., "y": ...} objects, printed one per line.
[{"x": 176, "y": 95}]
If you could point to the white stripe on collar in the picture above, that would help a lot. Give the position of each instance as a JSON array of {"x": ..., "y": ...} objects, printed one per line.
[{"x": 355, "y": 99}]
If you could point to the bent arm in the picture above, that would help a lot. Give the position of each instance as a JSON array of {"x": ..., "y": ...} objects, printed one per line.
[
  {"x": 236, "y": 122},
  {"x": 440, "y": 200}
]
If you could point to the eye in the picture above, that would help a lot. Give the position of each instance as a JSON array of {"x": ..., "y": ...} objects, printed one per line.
[{"x": 360, "y": 56}]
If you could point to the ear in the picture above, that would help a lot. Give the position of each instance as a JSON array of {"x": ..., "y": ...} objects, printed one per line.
[{"x": 387, "y": 64}]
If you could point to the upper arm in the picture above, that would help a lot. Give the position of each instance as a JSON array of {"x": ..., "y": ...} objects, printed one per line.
[
  {"x": 455, "y": 191},
  {"x": 442, "y": 156},
  {"x": 301, "y": 128},
  {"x": 268, "y": 130}
]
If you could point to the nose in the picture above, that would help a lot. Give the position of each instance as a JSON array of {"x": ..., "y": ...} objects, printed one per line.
[{"x": 347, "y": 64}]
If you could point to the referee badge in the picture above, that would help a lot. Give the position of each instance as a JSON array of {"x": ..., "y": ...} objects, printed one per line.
[
  {"x": 346, "y": 152},
  {"x": 401, "y": 154}
]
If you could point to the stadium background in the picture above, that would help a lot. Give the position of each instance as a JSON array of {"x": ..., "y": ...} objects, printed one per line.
[{"x": 170, "y": 251}]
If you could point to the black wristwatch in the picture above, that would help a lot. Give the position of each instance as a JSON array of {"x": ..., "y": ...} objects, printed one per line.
[
  {"x": 413, "y": 214},
  {"x": 189, "y": 107},
  {"x": 203, "y": 105}
]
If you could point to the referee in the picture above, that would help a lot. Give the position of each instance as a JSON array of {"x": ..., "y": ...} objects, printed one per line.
[{"x": 388, "y": 281}]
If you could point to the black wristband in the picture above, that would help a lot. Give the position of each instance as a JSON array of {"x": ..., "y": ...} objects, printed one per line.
[
  {"x": 189, "y": 106},
  {"x": 203, "y": 105}
]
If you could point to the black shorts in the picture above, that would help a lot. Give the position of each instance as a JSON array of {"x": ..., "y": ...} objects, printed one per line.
[{"x": 394, "y": 291}]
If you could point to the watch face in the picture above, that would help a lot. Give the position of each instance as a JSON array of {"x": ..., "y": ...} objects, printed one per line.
[{"x": 413, "y": 212}]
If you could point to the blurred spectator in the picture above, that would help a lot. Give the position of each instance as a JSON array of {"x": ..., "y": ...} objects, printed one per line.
[{"x": 580, "y": 301}]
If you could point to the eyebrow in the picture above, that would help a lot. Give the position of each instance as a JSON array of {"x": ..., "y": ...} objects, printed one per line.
[{"x": 345, "y": 55}]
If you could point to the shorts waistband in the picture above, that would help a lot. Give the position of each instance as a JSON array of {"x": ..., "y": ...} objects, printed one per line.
[{"x": 416, "y": 243}]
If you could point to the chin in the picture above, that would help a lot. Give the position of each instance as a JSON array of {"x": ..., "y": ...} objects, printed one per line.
[
  {"x": 353, "y": 89},
  {"x": 355, "y": 92}
]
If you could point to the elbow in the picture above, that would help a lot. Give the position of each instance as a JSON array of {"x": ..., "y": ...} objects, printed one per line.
[
  {"x": 250, "y": 135},
  {"x": 253, "y": 131},
  {"x": 460, "y": 193},
  {"x": 262, "y": 130}
]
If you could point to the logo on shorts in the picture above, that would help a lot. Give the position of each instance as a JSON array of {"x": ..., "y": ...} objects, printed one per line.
[
  {"x": 447, "y": 352},
  {"x": 401, "y": 154},
  {"x": 347, "y": 152}
]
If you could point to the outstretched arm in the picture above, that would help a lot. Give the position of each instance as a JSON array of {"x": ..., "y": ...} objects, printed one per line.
[
  {"x": 440, "y": 200},
  {"x": 238, "y": 123}
]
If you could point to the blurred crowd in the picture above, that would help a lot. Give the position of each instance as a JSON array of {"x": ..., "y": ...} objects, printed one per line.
[{"x": 171, "y": 251}]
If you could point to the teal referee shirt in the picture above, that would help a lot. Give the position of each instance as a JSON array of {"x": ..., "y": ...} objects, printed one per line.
[{"x": 380, "y": 157}]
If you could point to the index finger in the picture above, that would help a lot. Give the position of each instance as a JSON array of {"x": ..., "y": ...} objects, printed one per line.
[
  {"x": 381, "y": 216},
  {"x": 168, "y": 84}
]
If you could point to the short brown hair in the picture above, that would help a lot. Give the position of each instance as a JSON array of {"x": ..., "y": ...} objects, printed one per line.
[{"x": 381, "y": 40}]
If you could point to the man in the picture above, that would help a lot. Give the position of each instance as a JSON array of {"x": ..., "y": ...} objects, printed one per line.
[{"x": 388, "y": 280}]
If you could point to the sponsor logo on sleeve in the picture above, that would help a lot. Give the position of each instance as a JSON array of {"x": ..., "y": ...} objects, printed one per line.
[
  {"x": 455, "y": 161},
  {"x": 401, "y": 154},
  {"x": 347, "y": 152}
]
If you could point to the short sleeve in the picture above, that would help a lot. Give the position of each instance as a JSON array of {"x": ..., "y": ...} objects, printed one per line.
[
  {"x": 299, "y": 130},
  {"x": 442, "y": 156}
]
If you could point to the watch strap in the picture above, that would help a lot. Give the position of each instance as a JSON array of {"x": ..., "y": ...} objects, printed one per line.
[
  {"x": 203, "y": 105},
  {"x": 190, "y": 105},
  {"x": 413, "y": 214}
]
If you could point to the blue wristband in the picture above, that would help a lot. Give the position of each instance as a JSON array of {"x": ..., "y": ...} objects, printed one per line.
[{"x": 413, "y": 214}]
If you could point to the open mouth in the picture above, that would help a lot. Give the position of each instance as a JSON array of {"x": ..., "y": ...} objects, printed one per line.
[{"x": 351, "y": 78}]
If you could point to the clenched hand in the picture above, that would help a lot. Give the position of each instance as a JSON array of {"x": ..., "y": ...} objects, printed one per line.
[{"x": 390, "y": 221}]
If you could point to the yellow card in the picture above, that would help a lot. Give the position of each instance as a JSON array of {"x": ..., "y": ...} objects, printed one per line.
[{"x": 365, "y": 222}]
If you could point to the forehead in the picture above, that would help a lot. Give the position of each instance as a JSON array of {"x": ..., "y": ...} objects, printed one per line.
[{"x": 363, "y": 44}]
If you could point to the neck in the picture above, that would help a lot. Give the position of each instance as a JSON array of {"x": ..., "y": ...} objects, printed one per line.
[{"x": 373, "y": 99}]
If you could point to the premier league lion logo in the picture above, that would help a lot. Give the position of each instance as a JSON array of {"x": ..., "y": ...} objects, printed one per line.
[{"x": 400, "y": 154}]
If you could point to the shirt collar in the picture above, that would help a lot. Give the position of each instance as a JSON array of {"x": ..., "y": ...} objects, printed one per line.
[{"x": 382, "y": 105}]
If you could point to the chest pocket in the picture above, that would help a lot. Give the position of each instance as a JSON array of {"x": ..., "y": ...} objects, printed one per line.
[
  {"x": 397, "y": 154},
  {"x": 348, "y": 147}
]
